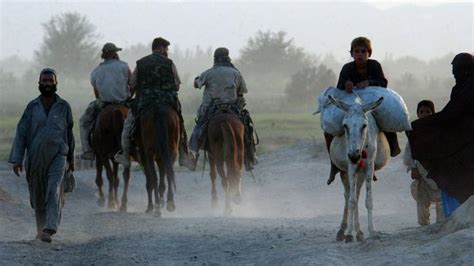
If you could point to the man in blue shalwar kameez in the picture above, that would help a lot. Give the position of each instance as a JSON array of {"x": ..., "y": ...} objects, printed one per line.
[{"x": 45, "y": 133}]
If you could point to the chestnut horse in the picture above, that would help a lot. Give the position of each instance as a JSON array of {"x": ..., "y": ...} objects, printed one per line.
[
  {"x": 225, "y": 147},
  {"x": 106, "y": 142},
  {"x": 158, "y": 136}
]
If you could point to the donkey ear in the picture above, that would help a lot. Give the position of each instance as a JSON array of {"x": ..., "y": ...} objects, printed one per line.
[
  {"x": 339, "y": 104},
  {"x": 372, "y": 105}
]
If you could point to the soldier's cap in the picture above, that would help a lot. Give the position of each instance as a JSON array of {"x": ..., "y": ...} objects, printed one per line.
[
  {"x": 157, "y": 42},
  {"x": 463, "y": 60},
  {"x": 221, "y": 52},
  {"x": 110, "y": 47}
]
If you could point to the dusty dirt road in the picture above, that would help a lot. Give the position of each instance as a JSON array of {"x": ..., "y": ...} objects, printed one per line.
[{"x": 289, "y": 216}]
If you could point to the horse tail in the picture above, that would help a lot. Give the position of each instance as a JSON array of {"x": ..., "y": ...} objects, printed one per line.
[
  {"x": 118, "y": 120},
  {"x": 230, "y": 145},
  {"x": 162, "y": 140},
  {"x": 222, "y": 151}
]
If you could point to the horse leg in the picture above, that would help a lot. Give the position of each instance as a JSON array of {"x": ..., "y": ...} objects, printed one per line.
[
  {"x": 235, "y": 185},
  {"x": 225, "y": 182},
  {"x": 149, "y": 182},
  {"x": 126, "y": 181},
  {"x": 116, "y": 181},
  {"x": 170, "y": 206},
  {"x": 154, "y": 187},
  {"x": 110, "y": 177},
  {"x": 99, "y": 182},
  {"x": 162, "y": 185},
  {"x": 227, "y": 195},
  {"x": 359, "y": 233},
  {"x": 235, "y": 188},
  {"x": 345, "y": 181},
  {"x": 369, "y": 202},
  {"x": 158, "y": 200},
  {"x": 228, "y": 208},
  {"x": 352, "y": 201},
  {"x": 213, "y": 175}
]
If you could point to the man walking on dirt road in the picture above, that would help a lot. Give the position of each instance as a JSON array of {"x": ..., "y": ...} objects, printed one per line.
[{"x": 45, "y": 133}]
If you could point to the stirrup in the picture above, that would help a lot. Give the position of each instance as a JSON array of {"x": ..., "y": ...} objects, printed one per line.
[
  {"x": 88, "y": 155},
  {"x": 188, "y": 160},
  {"x": 122, "y": 159}
]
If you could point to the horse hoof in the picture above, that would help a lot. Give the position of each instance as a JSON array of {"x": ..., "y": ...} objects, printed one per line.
[
  {"x": 237, "y": 199},
  {"x": 170, "y": 206},
  {"x": 101, "y": 203},
  {"x": 157, "y": 213},
  {"x": 340, "y": 235},
  {"x": 162, "y": 201},
  {"x": 360, "y": 237},
  {"x": 149, "y": 210},
  {"x": 330, "y": 180},
  {"x": 375, "y": 236},
  {"x": 123, "y": 208},
  {"x": 111, "y": 205},
  {"x": 214, "y": 203},
  {"x": 349, "y": 239}
]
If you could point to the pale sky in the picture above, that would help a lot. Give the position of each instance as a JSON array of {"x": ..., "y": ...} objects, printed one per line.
[
  {"x": 426, "y": 3},
  {"x": 422, "y": 28}
]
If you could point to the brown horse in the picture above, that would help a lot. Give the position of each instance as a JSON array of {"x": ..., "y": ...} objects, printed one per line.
[
  {"x": 225, "y": 147},
  {"x": 106, "y": 142},
  {"x": 158, "y": 139}
]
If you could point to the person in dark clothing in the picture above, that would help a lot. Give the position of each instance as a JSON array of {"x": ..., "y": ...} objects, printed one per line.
[
  {"x": 444, "y": 142},
  {"x": 358, "y": 74},
  {"x": 156, "y": 81},
  {"x": 361, "y": 72}
]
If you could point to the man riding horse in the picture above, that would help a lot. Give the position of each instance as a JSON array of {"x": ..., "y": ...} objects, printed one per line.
[
  {"x": 224, "y": 86},
  {"x": 156, "y": 81},
  {"x": 110, "y": 81}
]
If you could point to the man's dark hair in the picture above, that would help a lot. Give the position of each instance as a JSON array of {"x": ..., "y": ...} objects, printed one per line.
[
  {"x": 426, "y": 103},
  {"x": 110, "y": 55},
  {"x": 361, "y": 41},
  {"x": 221, "y": 54},
  {"x": 48, "y": 71},
  {"x": 159, "y": 42}
]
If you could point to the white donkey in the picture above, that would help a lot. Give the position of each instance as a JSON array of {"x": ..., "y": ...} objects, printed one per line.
[{"x": 362, "y": 149}]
